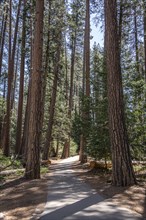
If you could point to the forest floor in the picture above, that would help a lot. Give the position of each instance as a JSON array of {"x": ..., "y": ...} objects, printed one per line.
[
  {"x": 133, "y": 197},
  {"x": 21, "y": 199}
]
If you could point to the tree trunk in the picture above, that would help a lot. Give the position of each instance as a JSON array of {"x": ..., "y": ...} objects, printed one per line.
[
  {"x": 15, "y": 80},
  {"x": 32, "y": 170},
  {"x": 21, "y": 86},
  {"x": 145, "y": 37},
  {"x": 120, "y": 23},
  {"x": 3, "y": 39},
  {"x": 66, "y": 72},
  {"x": 6, "y": 127},
  {"x": 66, "y": 149},
  {"x": 65, "y": 153},
  {"x": 52, "y": 107},
  {"x": 86, "y": 68},
  {"x": 6, "y": 124},
  {"x": 46, "y": 66},
  {"x": 23, "y": 149},
  {"x": 136, "y": 43},
  {"x": 87, "y": 51},
  {"x": 57, "y": 148},
  {"x": 122, "y": 171}
]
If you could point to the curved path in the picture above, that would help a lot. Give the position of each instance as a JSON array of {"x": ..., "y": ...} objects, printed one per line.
[{"x": 69, "y": 198}]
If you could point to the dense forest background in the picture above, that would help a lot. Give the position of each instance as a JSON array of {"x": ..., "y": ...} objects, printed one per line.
[{"x": 55, "y": 88}]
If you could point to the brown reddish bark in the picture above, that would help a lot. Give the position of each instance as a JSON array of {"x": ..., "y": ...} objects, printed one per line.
[
  {"x": 46, "y": 66},
  {"x": 6, "y": 124},
  {"x": 136, "y": 42},
  {"x": 120, "y": 23},
  {"x": 145, "y": 37},
  {"x": 6, "y": 137},
  {"x": 66, "y": 72},
  {"x": 15, "y": 80},
  {"x": 122, "y": 171},
  {"x": 57, "y": 148},
  {"x": 87, "y": 50},
  {"x": 23, "y": 150},
  {"x": 52, "y": 107},
  {"x": 3, "y": 38},
  {"x": 66, "y": 149},
  {"x": 21, "y": 86},
  {"x": 32, "y": 170},
  {"x": 65, "y": 152},
  {"x": 86, "y": 74}
]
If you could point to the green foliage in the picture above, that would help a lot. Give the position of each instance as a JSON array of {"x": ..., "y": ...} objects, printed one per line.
[
  {"x": 134, "y": 94},
  {"x": 94, "y": 126},
  {"x": 44, "y": 170},
  {"x": 76, "y": 129},
  {"x": 9, "y": 162},
  {"x": 98, "y": 143},
  {"x": 73, "y": 148}
]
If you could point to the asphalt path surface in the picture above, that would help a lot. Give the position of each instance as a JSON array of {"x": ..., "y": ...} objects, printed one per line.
[{"x": 69, "y": 198}]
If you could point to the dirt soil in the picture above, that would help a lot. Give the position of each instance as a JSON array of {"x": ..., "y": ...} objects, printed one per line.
[
  {"x": 21, "y": 199},
  {"x": 133, "y": 197}
]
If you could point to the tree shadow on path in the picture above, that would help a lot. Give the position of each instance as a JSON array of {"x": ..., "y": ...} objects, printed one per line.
[{"x": 70, "y": 198}]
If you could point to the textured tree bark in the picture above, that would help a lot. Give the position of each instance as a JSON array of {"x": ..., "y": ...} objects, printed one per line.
[
  {"x": 66, "y": 150},
  {"x": 66, "y": 71},
  {"x": 87, "y": 51},
  {"x": 145, "y": 37},
  {"x": 32, "y": 170},
  {"x": 120, "y": 24},
  {"x": 23, "y": 149},
  {"x": 21, "y": 87},
  {"x": 52, "y": 108},
  {"x": 122, "y": 171},
  {"x": 11, "y": 63},
  {"x": 57, "y": 148},
  {"x": 14, "y": 85},
  {"x": 136, "y": 43},
  {"x": 86, "y": 74},
  {"x": 3, "y": 37},
  {"x": 6, "y": 124},
  {"x": 46, "y": 66}
]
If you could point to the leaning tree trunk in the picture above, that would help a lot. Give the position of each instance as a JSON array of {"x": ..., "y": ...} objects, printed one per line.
[
  {"x": 34, "y": 124},
  {"x": 122, "y": 170}
]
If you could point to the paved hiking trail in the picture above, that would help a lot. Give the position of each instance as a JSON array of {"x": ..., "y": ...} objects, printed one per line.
[{"x": 69, "y": 198}]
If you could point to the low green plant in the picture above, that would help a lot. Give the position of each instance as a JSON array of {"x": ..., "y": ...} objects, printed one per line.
[{"x": 44, "y": 170}]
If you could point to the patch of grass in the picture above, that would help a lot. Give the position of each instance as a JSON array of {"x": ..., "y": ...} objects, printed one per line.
[
  {"x": 9, "y": 162},
  {"x": 44, "y": 170},
  {"x": 139, "y": 168},
  {"x": 4, "y": 161},
  {"x": 20, "y": 172}
]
